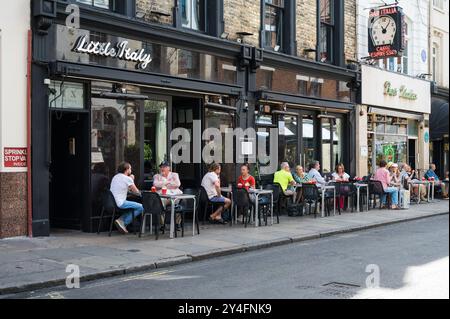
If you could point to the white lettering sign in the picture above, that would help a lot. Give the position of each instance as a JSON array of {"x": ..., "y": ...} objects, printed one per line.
[{"x": 120, "y": 51}]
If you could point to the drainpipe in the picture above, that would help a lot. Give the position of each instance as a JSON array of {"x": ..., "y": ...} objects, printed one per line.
[{"x": 29, "y": 186}]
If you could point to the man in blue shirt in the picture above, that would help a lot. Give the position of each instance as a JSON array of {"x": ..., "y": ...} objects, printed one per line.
[{"x": 438, "y": 183}]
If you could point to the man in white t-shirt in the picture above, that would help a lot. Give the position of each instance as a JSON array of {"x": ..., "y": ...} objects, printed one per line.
[
  {"x": 121, "y": 184},
  {"x": 211, "y": 183}
]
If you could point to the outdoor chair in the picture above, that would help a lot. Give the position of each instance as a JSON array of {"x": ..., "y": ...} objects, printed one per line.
[
  {"x": 153, "y": 206},
  {"x": 284, "y": 199},
  {"x": 348, "y": 191},
  {"x": 109, "y": 206},
  {"x": 311, "y": 196},
  {"x": 276, "y": 198},
  {"x": 244, "y": 204},
  {"x": 376, "y": 189},
  {"x": 206, "y": 205},
  {"x": 186, "y": 206}
]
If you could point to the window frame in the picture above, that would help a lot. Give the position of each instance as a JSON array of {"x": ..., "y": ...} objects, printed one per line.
[
  {"x": 129, "y": 7},
  {"x": 280, "y": 12},
  {"x": 204, "y": 21}
]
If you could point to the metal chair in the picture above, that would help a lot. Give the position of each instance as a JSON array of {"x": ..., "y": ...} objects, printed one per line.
[
  {"x": 275, "y": 188},
  {"x": 243, "y": 203},
  {"x": 152, "y": 205},
  {"x": 376, "y": 189},
  {"x": 186, "y": 207},
  {"x": 205, "y": 203},
  {"x": 311, "y": 196},
  {"x": 109, "y": 205}
]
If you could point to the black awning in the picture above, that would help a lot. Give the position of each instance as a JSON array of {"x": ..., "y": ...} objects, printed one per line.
[{"x": 439, "y": 119}]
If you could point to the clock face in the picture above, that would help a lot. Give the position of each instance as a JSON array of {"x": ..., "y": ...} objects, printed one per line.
[{"x": 383, "y": 31}]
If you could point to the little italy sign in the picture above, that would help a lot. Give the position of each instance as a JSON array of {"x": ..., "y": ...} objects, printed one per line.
[
  {"x": 401, "y": 92},
  {"x": 120, "y": 51}
]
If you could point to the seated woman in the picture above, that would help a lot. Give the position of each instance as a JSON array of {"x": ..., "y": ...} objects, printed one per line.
[
  {"x": 300, "y": 176},
  {"x": 246, "y": 180},
  {"x": 407, "y": 178},
  {"x": 395, "y": 175},
  {"x": 382, "y": 175},
  {"x": 340, "y": 175}
]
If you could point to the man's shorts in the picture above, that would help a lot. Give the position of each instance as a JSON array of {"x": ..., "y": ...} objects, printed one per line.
[{"x": 218, "y": 200}]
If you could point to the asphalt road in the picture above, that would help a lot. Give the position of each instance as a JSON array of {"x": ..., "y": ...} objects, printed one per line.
[{"x": 408, "y": 260}]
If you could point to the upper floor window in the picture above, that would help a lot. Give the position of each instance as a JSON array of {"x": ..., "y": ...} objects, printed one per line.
[
  {"x": 439, "y": 4},
  {"x": 118, "y": 6},
  {"x": 193, "y": 14},
  {"x": 273, "y": 24},
  {"x": 326, "y": 30},
  {"x": 435, "y": 63}
]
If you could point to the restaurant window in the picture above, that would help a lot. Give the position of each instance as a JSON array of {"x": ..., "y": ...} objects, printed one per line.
[
  {"x": 273, "y": 24},
  {"x": 193, "y": 14},
  {"x": 115, "y": 132},
  {"x": 326, "y": 32},
  {"x": 117, "y": 6},
  {"x": 155, "y": 135}
]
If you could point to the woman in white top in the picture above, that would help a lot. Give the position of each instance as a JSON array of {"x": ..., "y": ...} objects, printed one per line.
[{"x": 340, "y": 175}]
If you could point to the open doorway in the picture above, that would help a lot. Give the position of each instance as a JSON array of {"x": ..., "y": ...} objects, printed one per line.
[
  {"x": 412, "y": 150},
  {"x": 69, "y": 170}
]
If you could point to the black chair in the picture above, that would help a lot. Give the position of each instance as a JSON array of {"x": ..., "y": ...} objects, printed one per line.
[
  {"x": 207, "y": 205},
  {"x": 275, "y": 188},
  {"x": 186, "y": 206},
  {"x": 109, "y": 205},
  {"x": 376, "y": 189},
  {"x": 311, "y": 196},
  {"x": 153, "y": 205},
  {"x": 346, "y": 190},
  {"x": 243, "y": 203},
  {"x": 284, "y": 199}
]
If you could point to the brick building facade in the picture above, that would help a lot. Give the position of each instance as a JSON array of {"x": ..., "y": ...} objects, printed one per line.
[{"x": 283, "y": 81}]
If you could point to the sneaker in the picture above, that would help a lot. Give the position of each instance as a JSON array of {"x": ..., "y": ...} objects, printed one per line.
[{"x": 121, "y": 226}]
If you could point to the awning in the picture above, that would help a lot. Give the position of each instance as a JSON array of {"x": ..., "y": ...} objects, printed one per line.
[{"x": 439, "y": 119}]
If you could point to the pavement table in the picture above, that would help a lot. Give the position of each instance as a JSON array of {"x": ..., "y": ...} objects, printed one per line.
[{"x": 173, "y": 199}]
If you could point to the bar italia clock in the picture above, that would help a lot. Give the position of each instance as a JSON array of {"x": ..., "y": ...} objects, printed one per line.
[{"x": 386, "y": 32}]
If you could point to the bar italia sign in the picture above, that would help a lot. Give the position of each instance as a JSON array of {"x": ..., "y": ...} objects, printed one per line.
[
  {"x": 403, "y": 92},
  {"x": 120, "y": 51},
  {"x": 386, "y": 32}
]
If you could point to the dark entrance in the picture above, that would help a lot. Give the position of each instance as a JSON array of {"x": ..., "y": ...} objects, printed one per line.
[
  {"x": 412, "y": 153},
  {"x": 185, "y": 111},
  {"x": 69, "y": 170}
]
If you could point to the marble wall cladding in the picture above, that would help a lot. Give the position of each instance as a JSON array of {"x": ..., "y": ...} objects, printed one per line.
[{"x": 13, "y": 204}]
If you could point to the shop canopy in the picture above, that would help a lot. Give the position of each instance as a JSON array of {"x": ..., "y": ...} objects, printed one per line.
[{"x": 439, "y": 119}]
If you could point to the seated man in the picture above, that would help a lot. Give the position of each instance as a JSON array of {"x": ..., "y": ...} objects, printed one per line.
[
  {"x": 121, "y": 184},
  {"x": 438, "y": 183},
  {"x": 170, "y": 181},
  {"x": 314, "y": 173},
  {"x": 285, "y": 179},
  {"x": 211, "y": 183}
]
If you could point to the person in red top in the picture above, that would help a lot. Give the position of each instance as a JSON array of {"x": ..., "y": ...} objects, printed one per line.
[{"x": 246, "y": 180}]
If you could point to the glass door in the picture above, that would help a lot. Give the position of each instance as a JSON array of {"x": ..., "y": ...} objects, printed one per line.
[
  {"x": 288, "y": 144},
  {"x": 308, "y": 140},
  {"x": 155, "y": 132},
  {"x": 332, "y": 143}
]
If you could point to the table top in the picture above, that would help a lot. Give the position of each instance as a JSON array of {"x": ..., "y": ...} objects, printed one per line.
[
  {"x": 177, "y": 196},
  {"x": 361, "y": 185},
  {"x": 260, "y": 191}
]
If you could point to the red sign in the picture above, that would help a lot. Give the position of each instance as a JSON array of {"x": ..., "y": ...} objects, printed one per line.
[{"x": 15, "y": 157}]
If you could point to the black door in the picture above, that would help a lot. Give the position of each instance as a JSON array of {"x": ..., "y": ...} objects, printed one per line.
[
  {"x": 185, "y": 111},
  {"x": 69, "y": 170}
]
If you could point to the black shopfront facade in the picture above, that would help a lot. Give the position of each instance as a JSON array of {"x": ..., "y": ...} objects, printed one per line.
[{"x": 93, "y": 108}]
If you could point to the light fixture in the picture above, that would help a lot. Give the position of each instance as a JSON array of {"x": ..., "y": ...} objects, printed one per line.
[
  {"x": 277, "y": 48},
  {"x": 224, "y": 36}
]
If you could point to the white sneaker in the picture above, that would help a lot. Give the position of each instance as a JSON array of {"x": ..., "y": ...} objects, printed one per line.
[{"x": 121, "y": 226}]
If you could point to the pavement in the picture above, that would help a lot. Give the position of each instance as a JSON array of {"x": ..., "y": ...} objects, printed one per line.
[
  {"x": 36, "y": 263},
  {"x": 401, "y": 261}
]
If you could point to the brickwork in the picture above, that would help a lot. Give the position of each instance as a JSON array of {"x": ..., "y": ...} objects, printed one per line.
[{"x": 350, "y": 41}]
